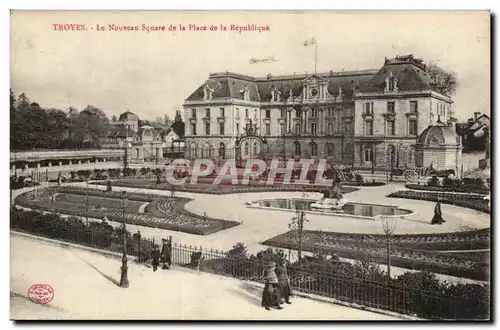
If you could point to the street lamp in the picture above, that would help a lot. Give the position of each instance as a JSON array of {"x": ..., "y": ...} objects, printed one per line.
[{"x": 124, "y": 277}]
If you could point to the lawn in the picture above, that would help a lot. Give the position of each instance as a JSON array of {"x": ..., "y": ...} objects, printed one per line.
[{"x": 170, "y": 216}]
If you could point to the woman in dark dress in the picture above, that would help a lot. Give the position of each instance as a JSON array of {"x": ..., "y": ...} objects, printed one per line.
[
  {"x": 438, "y": 215},
  {"x": 284, "y": 282},
  {"x": 271, "y": 293}
]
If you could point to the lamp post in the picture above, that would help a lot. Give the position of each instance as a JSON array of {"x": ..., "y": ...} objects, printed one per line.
[
  {"x": 124, "y": 276},
  {"x": 87, "y": 205}
]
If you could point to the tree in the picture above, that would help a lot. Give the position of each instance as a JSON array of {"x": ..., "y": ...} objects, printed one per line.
[
  {"x": 178, "y": 125},
  {"x": 114, "y": 119},
  {"x": 446, "y": 82}
]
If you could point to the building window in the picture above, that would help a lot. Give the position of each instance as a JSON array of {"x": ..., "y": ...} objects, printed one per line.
[
  {"x": 391, "y": 155},
  {"x": 255, "y": 113},
  {"x": 412, "y": 127},
  {"x": 268, "y": 114},
  {"x": 392, "y": 84},
  {"x": 282, "y": 128},
  {"x": 193, "y": 113},
  {"x": 283, "y": 113},
  {"x": 207, "y": 113},
  {"x": 268, "y": 129},
  {"x": 193, "y": 150},
  {"x": 329, "y": 149},
  {"x": 298, "y": 113},
  {"x": 313, "y": 129},
  {"x": 297, "y": 128},
  {"x": 193, "y": 129},
  {"x": 391, "y": 107},
  {"x": 330, "y": 112},
  {"x": 222, "y": 113},
  {"x": 368, "y": 108},
  {"x": 391, "y": 127},
  {"x": 413, "y": 106},
  {"x": 368, "y": 154},
  {"x": 246, "y": 149},
  {"x": 330, "y": 129},
  {"x": 222, "y": 150},
  {"x": 207, "y": 128},
  {"x": 254, "y": 147},
  {"x": 221, "y": 128},
  {"x": 246, "y": 113},
  {"x": 314, "y": 149},
  {"x": 411, "y": 158},
  {"x": 296, "y": 146},
  {"x": 368, "y": 127},
  {"x": 137, "y": 152},
  {"x": 314, "y": 113},
  {"x": 237, "y": 128}
]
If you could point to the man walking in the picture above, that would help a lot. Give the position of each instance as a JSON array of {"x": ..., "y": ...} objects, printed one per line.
[
  {"x": 438, "y": 215},
  {"x": 166, "y": 253},
  {"x": 155, "y": 257}
]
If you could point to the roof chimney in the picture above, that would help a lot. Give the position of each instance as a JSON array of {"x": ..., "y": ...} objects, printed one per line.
[{"x": 476, "y": 115}]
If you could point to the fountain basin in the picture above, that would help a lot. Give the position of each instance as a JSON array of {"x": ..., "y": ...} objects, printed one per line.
[{"x": 348, "y": 210}]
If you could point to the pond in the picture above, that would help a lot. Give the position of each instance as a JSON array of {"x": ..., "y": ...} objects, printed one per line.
[{"x": 356, "y": 209}]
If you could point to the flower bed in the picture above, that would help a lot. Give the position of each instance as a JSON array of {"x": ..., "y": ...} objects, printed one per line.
[
  {"x": 181, "y": 221},
  {"x": 470, "y": 201},
  {"x": 407, "y": 251},
  {"x": 463, "y": 189},
  {"x": 217, "y": 189}
]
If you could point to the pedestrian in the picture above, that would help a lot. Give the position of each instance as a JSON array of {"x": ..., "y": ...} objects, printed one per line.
[
  {"x": 271, "y": 293},
  {"x": 155, "y": 257},
  {"x": 284, "y": 282},
  {"x": 438, "y": 215},
  {"x": 166, "y": 253}
]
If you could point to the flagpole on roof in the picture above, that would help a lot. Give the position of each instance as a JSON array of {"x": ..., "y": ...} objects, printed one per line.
[{"x": 315, "y": 56}]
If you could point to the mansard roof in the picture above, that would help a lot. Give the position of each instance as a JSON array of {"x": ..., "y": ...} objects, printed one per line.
[
  {"x": 230, "y": 84},
  {"x": 410, "y": 73}
]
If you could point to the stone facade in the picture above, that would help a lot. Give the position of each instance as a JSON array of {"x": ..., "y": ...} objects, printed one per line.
[{"x": 364, "y": 119}]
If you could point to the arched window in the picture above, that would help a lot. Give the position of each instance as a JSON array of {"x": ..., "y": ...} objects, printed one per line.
[
  {"x": 314, "y": 149},
  {"x": 255, "y": 151},
  {"x": 207, "y": 150},
  {"x": 222, "y": 150},
  {"x": 246, "y": 147},
  {"x": 329, "y": 149},
  {"x": 330, "y": 129},
  {"x": 296, "y": 146},
  {"x": 193, "y": 150}
]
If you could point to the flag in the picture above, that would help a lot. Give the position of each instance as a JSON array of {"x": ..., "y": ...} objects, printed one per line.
[
  {"x": 268, "y": 59},
  {"x": 309, "y": 42}
]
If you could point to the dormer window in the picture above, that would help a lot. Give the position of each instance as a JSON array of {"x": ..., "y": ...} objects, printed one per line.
[{"x": 391, "y": 83}]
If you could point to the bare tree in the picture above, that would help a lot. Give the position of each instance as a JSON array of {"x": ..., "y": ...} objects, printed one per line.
[
  {"x": 388, "y": 226},
  {"x": 298, "y": 225}
]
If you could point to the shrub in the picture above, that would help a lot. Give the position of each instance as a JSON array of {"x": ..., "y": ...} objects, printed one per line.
[
  {"x": 359, "y": 179},
  {"x": 433, "y": 182},
  {"x": 114, "y": 172},
  {"x": 109, "y": 187}
]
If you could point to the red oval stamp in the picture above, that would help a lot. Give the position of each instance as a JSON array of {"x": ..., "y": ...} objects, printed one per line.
[{"x": 41, "y": 293}]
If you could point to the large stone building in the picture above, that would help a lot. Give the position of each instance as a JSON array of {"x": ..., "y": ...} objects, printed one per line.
[{"x": 364, "y": 119}]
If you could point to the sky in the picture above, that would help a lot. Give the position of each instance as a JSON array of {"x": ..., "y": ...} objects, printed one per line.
[{"x": 152, "y": 73}]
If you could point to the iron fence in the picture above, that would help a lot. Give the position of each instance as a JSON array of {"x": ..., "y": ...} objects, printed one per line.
[{"x": 361, "y": 291}]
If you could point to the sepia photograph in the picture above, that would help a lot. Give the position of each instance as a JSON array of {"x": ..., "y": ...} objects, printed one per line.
[{"x": 250, "y": 165}]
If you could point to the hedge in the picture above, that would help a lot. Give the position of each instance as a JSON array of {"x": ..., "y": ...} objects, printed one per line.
[{"x": 463, "y": 189}]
